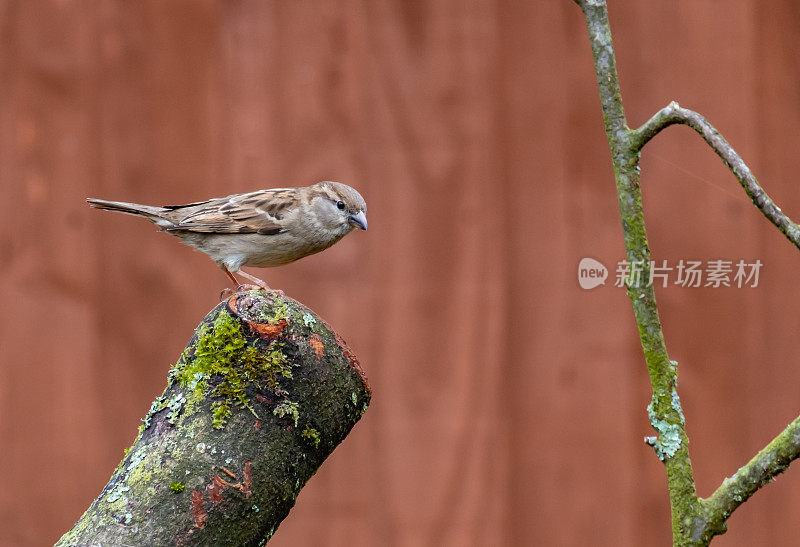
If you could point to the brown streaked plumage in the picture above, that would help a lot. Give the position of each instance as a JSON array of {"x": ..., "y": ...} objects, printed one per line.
[{"x": 263, "y": 228}]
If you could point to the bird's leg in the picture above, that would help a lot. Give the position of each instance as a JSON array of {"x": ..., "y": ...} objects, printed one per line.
[
  {"x": 253, "y": 278},
  {"x": 226, "y": 292},
  {"x": 259, "y": 282},
  {"x": 230, "y": 275},
  {"x": 239, "y": 287}
]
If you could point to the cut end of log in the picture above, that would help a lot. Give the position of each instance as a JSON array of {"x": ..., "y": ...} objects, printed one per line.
[{"x": 251, "y": 306}]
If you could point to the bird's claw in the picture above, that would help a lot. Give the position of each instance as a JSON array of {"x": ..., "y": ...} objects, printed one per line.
[{"x": 225, "y": 294}]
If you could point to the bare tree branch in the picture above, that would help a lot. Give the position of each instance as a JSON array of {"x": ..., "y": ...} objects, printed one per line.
[
  {"x": 673, "y": 114},
  {"x": 695, "y": 521},
  {"x": 771, "y": 461}
]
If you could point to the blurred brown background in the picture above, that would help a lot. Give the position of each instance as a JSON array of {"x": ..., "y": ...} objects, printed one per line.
[{"x": 509, "y": 404}]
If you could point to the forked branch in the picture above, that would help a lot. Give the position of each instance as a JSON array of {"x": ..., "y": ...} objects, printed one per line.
[{"x": 695, "y": 521}]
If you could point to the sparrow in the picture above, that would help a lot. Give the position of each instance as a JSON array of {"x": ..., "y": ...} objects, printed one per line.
[{"x": 264, "y": 228}]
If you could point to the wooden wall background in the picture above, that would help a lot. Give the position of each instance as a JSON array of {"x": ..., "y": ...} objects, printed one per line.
[{"x": 509, "y": 404}]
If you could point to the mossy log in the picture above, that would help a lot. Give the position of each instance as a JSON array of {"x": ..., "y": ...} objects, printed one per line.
[{"x": 262, "y": 394}]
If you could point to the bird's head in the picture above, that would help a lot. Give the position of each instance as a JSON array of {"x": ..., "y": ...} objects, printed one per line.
[{"x": 338, "y": 207}]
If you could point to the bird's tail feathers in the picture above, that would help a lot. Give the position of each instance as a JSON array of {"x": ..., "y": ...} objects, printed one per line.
[{"x": 154, "y": 214}]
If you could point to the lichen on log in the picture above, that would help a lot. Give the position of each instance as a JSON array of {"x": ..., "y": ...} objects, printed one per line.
[{"x": 262, "y": 394}]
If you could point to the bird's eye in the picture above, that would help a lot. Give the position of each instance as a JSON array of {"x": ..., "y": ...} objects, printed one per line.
[{"x": 340, "y": 205}]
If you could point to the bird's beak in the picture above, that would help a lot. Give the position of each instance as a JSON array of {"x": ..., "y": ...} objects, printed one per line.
[{"x": 358, "y": 220}]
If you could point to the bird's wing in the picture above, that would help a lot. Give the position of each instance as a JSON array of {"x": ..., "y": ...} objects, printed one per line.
[{"x": 261, "y": 212}]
